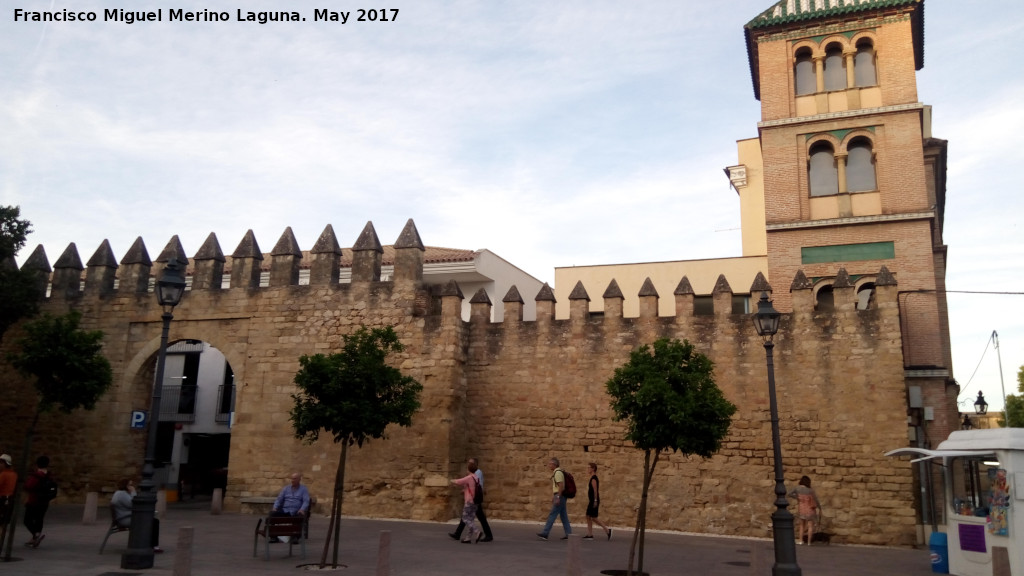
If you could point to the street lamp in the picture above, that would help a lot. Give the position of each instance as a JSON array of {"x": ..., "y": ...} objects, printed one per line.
[
  {"x": 766, "y": 322},
  {"x": 966, "y": 424},
  {"x": 980, "y": 406},
  {"x": 139, "y": 555}
]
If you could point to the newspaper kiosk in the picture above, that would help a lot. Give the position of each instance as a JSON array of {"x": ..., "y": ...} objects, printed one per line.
[{"x": 984, "y": 483}]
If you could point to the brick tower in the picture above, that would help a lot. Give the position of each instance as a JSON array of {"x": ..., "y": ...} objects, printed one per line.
[{"x": 850, "y": 176}]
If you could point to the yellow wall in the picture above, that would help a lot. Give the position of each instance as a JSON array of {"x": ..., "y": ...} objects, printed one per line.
[{"x": 703, "y": 274}]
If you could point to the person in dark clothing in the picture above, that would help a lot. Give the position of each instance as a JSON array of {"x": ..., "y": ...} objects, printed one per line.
[
  {"x": 457, "y": 535},
  {"x": 37, "y": 501},
  {"x": 593, "y": 504}
]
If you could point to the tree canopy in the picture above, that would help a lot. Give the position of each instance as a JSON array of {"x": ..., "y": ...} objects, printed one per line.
[
  {"x": 1013, "y": 414},
  {"x": 354, "y": 394},
  {"x": 667, "y": 396},
  {"x": 19, "y": 292},
  {"x": 67, "y": 363}
]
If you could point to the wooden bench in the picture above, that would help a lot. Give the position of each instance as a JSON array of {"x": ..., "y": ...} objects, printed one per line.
[{"x": 272, "y": 528}]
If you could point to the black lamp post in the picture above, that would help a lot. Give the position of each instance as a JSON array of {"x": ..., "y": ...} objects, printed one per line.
[
  {"x": 766, "y": 322},
  {"x": 966, "y": 424},
  {"x": 169, "y": 289},
  {"x": 980, "y": 406}
]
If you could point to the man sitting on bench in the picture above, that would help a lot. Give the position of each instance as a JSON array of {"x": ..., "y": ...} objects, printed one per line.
[{"x": 292, "y": 501}]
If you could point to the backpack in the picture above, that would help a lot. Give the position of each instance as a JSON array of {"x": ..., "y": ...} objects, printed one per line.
[
  {"x": 569, "y": 486},
  {"x": 47, "y": 489},
  {"x": 478, "y": 495}
]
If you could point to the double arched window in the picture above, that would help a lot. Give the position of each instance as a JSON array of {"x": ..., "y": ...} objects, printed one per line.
[
  {"x": 851, "y": 170},
  {"x": 840, "y": 65}
]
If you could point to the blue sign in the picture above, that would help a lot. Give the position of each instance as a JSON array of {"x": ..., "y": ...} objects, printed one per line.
[{"x": 138, "y": 419}]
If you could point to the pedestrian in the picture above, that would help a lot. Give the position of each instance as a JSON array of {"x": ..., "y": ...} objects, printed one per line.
[
  {"x": 293, "y": 500},
  {"x": 480, "y": 515},
  {"x": 558, "y": 508},
  {"x": 593, "y": 503},
  {"x": 8, "y": 482},
  {"x": 38, "y": 494},
  {"x": 470, "y": 488},
  {"x": 121, "y": 506},
  {"x": 808, "y": 509}
]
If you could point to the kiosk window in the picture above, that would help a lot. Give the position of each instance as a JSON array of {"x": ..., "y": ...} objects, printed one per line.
[{"x": 973, "y": 481}]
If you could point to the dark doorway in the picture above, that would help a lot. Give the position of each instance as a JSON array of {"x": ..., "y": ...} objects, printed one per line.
[{"x": 207, "y": 466}]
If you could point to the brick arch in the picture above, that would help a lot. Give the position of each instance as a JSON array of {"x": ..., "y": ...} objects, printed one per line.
[
  {"x": 842, "y": 41},
  {"x": 855, "y": 134},
  {"x": 864, "y": 35},
  {"x": 816, "y": 50},
  {"x": 837, "y": 144}
]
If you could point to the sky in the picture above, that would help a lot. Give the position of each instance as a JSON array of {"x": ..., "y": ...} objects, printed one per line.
[{"x": 551, "y": 133}]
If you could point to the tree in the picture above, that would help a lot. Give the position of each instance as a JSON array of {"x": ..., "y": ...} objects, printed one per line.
[
  {"x": 1013, "y": 413},
  {"x": 668, "y": 398},
  {"x": 19, "y": 293},
  {"x": 354, "y": 395},
  {"x": 70, "y": 372}
]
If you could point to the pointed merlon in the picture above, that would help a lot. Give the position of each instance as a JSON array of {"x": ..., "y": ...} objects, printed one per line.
[
  {"x": 368, "y": 240},
  {"x": 800, "y": 282},
  {"x": 684, "y": 288},
  {"x": 248, "y": 248},
  {"x": 760, "y": 284},
  {"x": 104, "y": 256},
  {"x": 137, "y": 254},
  {"x": 842, "y": 279},
  {"x": 722, "y": 285},
  {"x": 327, "y": 243},
  {"x": 174, "y": 250},
  {"x": 613, "y": 291},
  {"x": 452, "y": 289},
  {"x": 37, "y": 261},
  {"x": 210, "y": 250},
  {"x": 546, "y": 294},
  {"x": 648, "y": 289},
  {"x": 287, "y": 245},
  {"x": 480, "y": 297},
  {"x": 512, "y": 295},
  {"x": 885, "y": 278},
  {"x": 410, "y": 237},
  {"x": 69, "y": 259},
  {"x": 579, "y": 292}
]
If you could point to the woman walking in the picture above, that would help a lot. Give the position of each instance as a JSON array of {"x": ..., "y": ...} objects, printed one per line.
[{"x": 593, "y": 503}]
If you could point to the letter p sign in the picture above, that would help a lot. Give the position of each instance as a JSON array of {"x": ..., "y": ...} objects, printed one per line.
[{"x": 138, "y": 419}]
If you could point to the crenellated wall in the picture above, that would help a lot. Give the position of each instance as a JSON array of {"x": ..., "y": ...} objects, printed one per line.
[{"x": 512, "y": 393}]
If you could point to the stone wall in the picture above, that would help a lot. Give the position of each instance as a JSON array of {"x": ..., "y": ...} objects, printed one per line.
[{"x": 511, "y": 393}]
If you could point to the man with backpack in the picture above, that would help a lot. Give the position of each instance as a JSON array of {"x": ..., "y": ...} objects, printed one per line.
[
  {"x": 559, "y": 486},
  {"x": 40, "y": 488}
]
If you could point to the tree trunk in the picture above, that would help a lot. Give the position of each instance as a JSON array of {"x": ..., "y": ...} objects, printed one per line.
[
  {"x": 648, "y": 475},
  {"x": 339, "y": 493}
]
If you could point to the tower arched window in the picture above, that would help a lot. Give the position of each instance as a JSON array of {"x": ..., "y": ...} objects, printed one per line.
[
  {"x": 804, "y": 72},
  {"x": 835, "y": 73},
  {"x": 865, "y": 296},
  {"x": 860, "y": 166},
  {"x": 822, "y": 172},
  {"x": 864, "y": 64},
  {"x": 825, "y": 299}
]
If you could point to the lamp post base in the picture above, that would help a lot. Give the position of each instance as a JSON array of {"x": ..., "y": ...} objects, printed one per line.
[{"x": 135, "y": 559}]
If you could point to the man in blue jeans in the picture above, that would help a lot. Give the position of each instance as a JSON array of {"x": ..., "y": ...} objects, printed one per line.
[{"x": 557, "y": 502}]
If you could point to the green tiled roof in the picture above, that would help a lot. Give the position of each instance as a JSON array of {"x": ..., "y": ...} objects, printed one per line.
[
  {"x": 795, "y": 13},
  {"x": 786, "y": 11}
]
